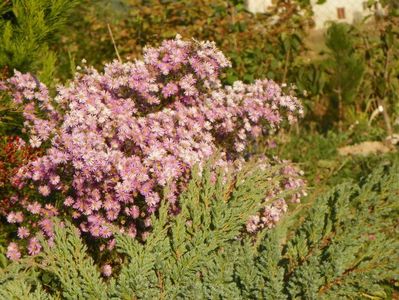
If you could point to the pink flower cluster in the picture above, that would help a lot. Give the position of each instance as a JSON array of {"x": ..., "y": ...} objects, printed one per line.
[
  {"x": 274, "y": 204},
  {"x": 116, "y": 139},
  {"x": 34, "y": 94},
  {"x": 31, "y": 217}
]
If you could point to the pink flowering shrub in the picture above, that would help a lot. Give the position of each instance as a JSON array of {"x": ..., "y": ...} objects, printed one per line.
[{"x": 115, "y": 140}]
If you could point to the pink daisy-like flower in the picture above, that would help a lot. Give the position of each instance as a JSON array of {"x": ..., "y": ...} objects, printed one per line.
[
  {"x": 11, "y": 218},
  {"x": 34, "y": 208},
  {"x": 134, "y": 211},
  {"x": 19, "y": 217},
  {"x": 23, "y": 232},
  {"x": 170, "y": 89},
  {"x": 55, "y": 179},
  {"x": 69, "y": 201},
  {"x": 13, "y": 252},
  {"x": 44, "y": 190},
  {"x": 15, "y": 217},
  {"x": 47, "y": 227},
  {"x": 34, "y": 246},
  {"x": 106, "y": 270}
]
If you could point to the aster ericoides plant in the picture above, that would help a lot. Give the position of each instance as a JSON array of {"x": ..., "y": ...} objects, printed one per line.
[{"x": 116, "y": 139}]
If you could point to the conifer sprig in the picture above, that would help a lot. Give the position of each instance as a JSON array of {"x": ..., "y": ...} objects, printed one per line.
[{"x": 346, "y": 247}]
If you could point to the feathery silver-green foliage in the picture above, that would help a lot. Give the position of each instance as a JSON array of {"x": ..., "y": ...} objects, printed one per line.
[{"x": 345, "y": 247}]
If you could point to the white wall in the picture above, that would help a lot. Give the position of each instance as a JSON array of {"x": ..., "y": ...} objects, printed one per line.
[
  {"x": 257, "y": 6},
  {"x": 322, "y": 13},
  {"x": 328, "y": 11}
]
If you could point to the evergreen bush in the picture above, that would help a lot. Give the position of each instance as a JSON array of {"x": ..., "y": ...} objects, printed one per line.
[
  {"x": 27, "y": 33},
  {"x": 344, "y": 247},
  {"x": 27, "y": 27}
]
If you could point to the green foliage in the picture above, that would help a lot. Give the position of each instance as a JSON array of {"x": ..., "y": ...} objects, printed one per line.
[
  {"x": 317, "y": 155},
  {"x": 259, "y": 46},
  {"x": 344, "y": 247},
  {"x": 381, "y": 52},
  {"x": 11, "y": 119},
  {"x": 76, "y": 273},
  {"x": 26, "y": 28},
  {"x": 178, "y": 251},
  {"x": 357, "y": 76},
  {"x": 27, "y": 31},
  {"x": 345, "y": 65},
  {"x": 334, "y": 81}
]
